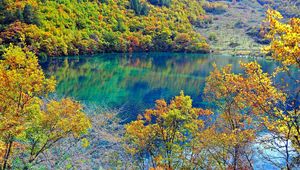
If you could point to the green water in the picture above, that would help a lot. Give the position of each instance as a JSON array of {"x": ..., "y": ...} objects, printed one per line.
[{"x": 134, "y": 81}]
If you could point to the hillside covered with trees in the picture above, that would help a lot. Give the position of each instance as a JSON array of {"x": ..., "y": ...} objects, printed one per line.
[{"x": 70, "y": 27}]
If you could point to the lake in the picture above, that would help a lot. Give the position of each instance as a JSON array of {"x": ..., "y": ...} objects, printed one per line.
[{"x": 134, "y": 81}]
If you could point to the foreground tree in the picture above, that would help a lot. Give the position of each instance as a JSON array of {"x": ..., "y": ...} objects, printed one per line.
[
  {"x": 284, "y": 46},
  {"x": 284, "y": 122},
  {"x": 167, "y": 134},
  {"x": 29, "y": 125},
  {"x": 241, "y": 98}
]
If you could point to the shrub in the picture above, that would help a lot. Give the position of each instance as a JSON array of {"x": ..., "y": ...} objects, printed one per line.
[
  {"x": 212, "y": 37},
  {"x": 240, "y": 24},
  {"x": 233, "y": 44},
  {"x": 215, "y": 7},
  {"x": 202, "y": 21},
  {"x": 29, "y": 15}
]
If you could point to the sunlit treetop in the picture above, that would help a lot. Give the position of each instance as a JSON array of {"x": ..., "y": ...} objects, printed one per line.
[
  {"x": 253, "y": 90},
  {"x": 166, "y": 131},
  {"x": 21, "y": 81},
  {"x": 285, "y": 38}
]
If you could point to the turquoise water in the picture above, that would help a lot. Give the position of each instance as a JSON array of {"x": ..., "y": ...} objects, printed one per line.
[{"x": 134, "y": 81}]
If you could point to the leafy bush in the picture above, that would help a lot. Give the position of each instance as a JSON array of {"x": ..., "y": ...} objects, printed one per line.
[
  {"x": 240, "y": 24},
  {"x": 212, "y": 36},
  {"x": 202, "y": 21},
  {"x": 28, "y": 15},
  {"x": 254, "y": 33},
  {"x": 233, "y": 44},
  {"x": 215, "y": 7}
]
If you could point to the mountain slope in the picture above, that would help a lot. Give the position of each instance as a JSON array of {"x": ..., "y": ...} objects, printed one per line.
[
  {"x": 68, "y": 27},
  {"x": 237, "y": 28}
]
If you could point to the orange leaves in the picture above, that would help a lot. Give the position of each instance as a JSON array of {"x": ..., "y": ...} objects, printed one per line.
[
  {"x": 21, "y": 3},
  {"x": 133, "y": 42},
  {"x": 254, "y": 89},
  {"x": 21, "y": 83},
  {"x": 221, "y": 83},
  {"x": 203, "y": 112},
  {"x": 139, "y": 136},
  {"x": 160, "y": 111},
  {"x": 247, "y": 101},
  {"x": 241, "y": 98},
  {"x": 260, "y": 90}
]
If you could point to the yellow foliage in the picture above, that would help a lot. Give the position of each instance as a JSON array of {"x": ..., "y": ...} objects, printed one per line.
[
  {"x": 25, "y": 119},
  {"x": 21, "y": 81},
  {"x": 169, "y": 128},
  {"x": 285, "y": 39}
]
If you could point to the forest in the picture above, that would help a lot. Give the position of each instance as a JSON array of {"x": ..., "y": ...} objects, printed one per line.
[
  {"x": 70, "y": 27},
  {"x": 236, "y": 112}
]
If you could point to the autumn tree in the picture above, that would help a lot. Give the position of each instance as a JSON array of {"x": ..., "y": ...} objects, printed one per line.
[
  {"x": 255, "y": 101},
  {"x": 240, "y": 99},
  {"x": 284, "y": 122},
  {"x": 284, "y": 46},
  {"x": 28, "y": 124},
  {"x": 167, "y": 134}
]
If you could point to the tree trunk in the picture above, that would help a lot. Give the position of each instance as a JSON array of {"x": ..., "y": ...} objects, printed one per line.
[
  {"x": 236, "y": 158},
  {"x": 7, "y": 154}
]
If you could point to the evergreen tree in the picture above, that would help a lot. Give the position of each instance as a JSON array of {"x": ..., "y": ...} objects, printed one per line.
[
  {"x": 166, "y": 3},
  {"x": 29, "y": 15},
  {"x": 6, "y": 16},
  {"x": 19, "y": 14},
  {"x": 139, "y": 8}
]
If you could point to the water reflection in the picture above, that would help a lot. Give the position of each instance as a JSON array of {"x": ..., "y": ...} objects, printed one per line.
[{"x": 135, "y": 81}]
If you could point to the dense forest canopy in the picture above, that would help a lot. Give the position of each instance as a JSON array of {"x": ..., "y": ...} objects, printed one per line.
[{"x": 70, "y": 27}]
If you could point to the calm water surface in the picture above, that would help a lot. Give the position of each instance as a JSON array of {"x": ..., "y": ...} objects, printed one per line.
[{"x": 135, "y": 81}]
